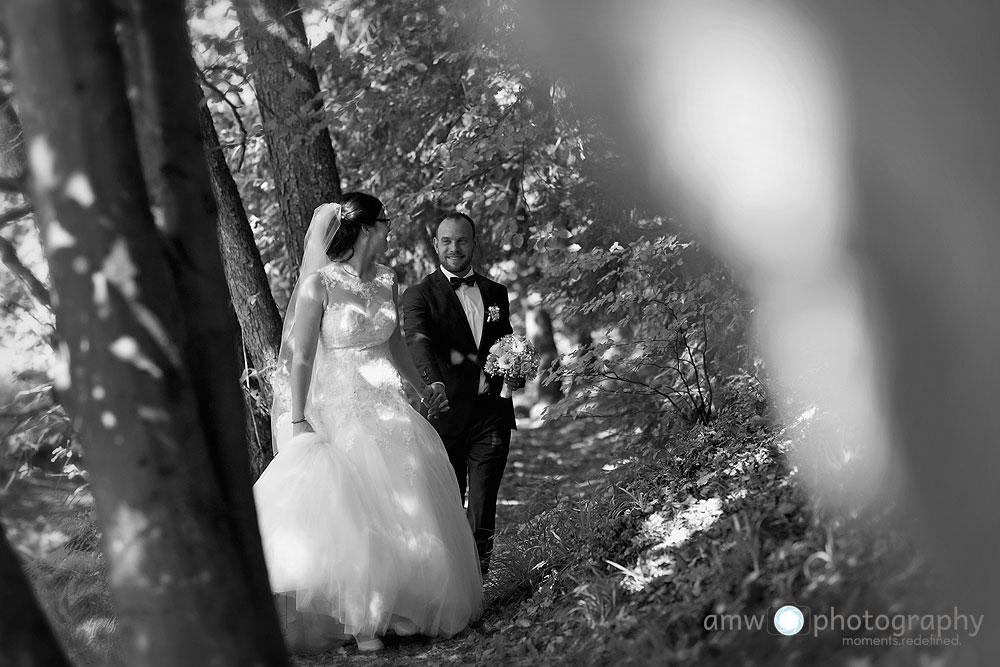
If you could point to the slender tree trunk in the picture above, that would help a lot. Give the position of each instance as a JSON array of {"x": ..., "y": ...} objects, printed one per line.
[
  {"x": 34, "y": 286},
  {"x": 253, "y": 305},
  {"x": 28, "y": 639},
  {"x": 260, "y": 323},
  {"x": 248, "y": 283},
  {"x": 538, "y": 327},
  {"x": 537, "y": 320},
  {"x": 13, "y": 165},
  {"x": 303, "y": 161},
  {"x": 150, "y": 384},
  {"x": 13, "y": 162}
]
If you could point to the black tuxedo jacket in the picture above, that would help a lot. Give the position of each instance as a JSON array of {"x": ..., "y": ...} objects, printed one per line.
[{"x": 444, "y": 347}]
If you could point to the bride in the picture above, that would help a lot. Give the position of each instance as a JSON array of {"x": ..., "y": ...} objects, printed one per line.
[{"x": 359, "y": 512}]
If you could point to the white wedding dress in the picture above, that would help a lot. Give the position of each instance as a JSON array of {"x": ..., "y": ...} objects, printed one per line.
[{"x": 361, "y": 521}]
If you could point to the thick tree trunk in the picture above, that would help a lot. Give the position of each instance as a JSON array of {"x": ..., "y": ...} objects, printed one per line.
[
  {"x": 190, "y": 223},
  {"x": 150, "y": 384},
  {"x": 28, "y": 640},
  {"x": 302, "y": 158}
]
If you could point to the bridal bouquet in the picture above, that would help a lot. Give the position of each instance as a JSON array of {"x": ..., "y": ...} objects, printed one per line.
[{"x": 512, "y": 357}]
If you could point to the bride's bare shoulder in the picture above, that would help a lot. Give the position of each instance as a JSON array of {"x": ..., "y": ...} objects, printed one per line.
[{"x": 312, "y": 288}]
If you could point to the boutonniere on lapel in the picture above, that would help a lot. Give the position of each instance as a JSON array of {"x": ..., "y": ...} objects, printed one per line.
[{"x": 493, "y": 314}]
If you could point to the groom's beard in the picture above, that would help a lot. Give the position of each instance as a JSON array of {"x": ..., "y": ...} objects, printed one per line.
[{"x": 458, "y": 269}]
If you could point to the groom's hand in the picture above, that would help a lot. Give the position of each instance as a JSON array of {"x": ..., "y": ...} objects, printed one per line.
[
  {"x": 435, "y": 399},
  {"x": 514, "y": 382}
]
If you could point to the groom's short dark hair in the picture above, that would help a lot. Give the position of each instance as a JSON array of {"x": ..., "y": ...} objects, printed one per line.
[{"x": 456, "y": 216}]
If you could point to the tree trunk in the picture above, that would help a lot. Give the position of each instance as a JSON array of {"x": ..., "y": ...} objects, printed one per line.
[
  {"x": 13, "y": 164},
  {"x": 34, "y": 286},
  {"x": 260, "y": 323},
  {"x": 302, "y": 157},
  {"x": 250, "y": 293},
  {"x": 150, "y": 384},
  {"x": 258, "y": 315},
  {"x": 538, "y": 327},
  {"x": 190, "y": 223},
  {"x": 13, "y": 161},
  {"x": 28, "y": 640}
]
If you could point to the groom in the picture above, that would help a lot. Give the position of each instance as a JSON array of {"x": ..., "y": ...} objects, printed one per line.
[{"x": 452, "y": 318}]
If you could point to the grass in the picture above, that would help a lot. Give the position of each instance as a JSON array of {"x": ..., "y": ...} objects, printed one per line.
[
  {"x": 53, "y": 527},
  {"x": 711, "y": 521},
  {"x": 616, "y": 551}
]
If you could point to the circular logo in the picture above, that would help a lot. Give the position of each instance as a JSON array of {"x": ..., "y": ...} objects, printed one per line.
[{"x": 788, "y": 620}]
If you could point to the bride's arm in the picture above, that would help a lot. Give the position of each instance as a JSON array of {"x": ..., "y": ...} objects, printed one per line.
[
  {"x": 432, "y": 395},
  {"x": 305, "y": 332}
]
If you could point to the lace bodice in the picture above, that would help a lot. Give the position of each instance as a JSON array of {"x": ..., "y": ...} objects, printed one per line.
[
  {"x": 353, "y": 373},
  {"x": 365, "y": 316}
]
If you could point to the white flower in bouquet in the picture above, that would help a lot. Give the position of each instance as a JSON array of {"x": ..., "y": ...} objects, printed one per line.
[{"x": 513, "y": 358}]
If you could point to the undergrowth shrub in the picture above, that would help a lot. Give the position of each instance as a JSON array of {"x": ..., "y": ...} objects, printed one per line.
[
  {"x": 713, "y": 520},
  {"x": 667, "y": 326}
]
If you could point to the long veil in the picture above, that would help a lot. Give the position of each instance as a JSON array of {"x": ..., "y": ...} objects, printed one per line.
[{"x": 322, "y": 228}]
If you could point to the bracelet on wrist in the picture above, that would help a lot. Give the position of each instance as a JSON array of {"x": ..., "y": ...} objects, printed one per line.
[{"x": 298, "y": 421}]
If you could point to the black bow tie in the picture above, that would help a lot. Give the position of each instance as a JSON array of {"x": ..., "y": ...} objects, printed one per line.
[{"x": 469, "y": 280}]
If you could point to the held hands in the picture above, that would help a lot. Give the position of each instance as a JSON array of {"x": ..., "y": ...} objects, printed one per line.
[{"x": 433, "y": 396}]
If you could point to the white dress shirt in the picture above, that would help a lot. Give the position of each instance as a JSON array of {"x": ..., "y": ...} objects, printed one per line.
[{"x": 471, "y": 299}]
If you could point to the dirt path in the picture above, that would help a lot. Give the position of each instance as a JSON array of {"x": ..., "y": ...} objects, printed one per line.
[{"x": 546, "y": 462}]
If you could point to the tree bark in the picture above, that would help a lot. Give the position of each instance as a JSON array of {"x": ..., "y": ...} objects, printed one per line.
[
  {"x": 150, "y": 384},
  {"x": 260, "y": 323},
  {"x": 13, "y": 161},
  {"x": 538, "y": 327},
  {"x": 256, "y": 310},
  {"x": 190, "y": 223},
  {"x": 34, "y": 286},
  {"x": 13, "y": 164},
  {"x": 28, "y": 639},
  {"x": 253, "y": 305},
  {"x": 303, "y": 161}
]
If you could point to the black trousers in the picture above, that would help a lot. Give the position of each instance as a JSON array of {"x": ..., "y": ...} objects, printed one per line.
[{"x": 479, "y": 456}]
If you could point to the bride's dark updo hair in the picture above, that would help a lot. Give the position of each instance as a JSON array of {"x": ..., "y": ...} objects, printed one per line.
[{"x": 357, "y": 210}]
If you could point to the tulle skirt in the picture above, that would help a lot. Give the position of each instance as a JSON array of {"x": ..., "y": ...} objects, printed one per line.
[{"x": 365, "y": 529}]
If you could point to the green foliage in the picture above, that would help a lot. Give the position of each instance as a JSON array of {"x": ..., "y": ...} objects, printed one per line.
[
  {"x": 666, "y": 325},
  {"x": 35, "y": 433},
  {"x": 225, "y": 77},
  {"x": 431, "y": 108},
  {"x": 40, "y": 436}
]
